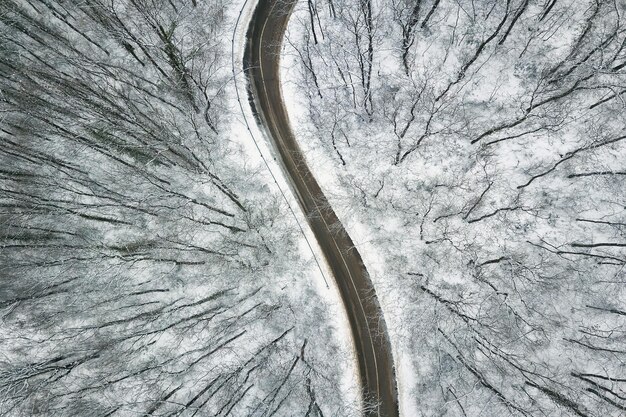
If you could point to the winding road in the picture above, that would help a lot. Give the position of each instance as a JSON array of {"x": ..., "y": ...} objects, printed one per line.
[{"x": 261, "y": 63}]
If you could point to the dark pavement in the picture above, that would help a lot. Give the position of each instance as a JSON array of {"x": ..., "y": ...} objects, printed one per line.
[{"x": 261, "y": 59}]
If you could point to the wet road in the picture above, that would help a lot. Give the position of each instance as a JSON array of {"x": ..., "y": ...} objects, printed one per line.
[{"x": 261, "y": 61}]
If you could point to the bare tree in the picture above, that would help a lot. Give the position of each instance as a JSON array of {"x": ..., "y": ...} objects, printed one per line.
[
  {"x": 491, "y": 178},
  {"x": 142, "y": 259}
]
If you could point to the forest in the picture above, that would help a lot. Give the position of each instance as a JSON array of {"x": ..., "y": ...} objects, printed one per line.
[
  {"x": 151, "y": 264},
  {"x": 146, "y": 263},
  {"x": 475, "y": 151}
]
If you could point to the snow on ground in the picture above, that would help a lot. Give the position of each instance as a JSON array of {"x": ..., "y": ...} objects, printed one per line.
[
  {"x": 458, "y": 250},
  {"x": 325, "y": 171},
  {"x": 259, "y": 150}
]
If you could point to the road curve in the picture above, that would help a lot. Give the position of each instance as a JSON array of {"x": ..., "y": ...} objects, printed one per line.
[{"x": 261, "y": 64}]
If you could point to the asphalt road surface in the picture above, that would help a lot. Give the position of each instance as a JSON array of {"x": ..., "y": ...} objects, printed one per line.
[{"x": 261, "y": 62}]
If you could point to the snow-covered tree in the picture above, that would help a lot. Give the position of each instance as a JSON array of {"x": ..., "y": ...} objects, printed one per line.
[
  {"x": 488, "y": 169},
  {"x": 145, "y": 266}
]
